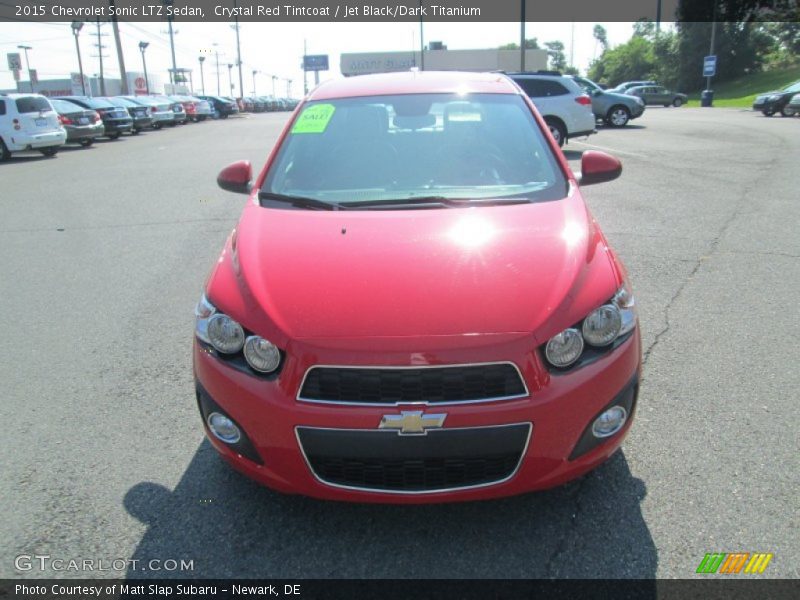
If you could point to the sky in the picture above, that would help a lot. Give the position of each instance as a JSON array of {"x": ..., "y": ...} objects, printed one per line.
[{"x": 269, "y": 48}]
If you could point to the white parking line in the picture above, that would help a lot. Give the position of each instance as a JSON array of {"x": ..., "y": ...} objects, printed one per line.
[{"x": 612, "y": 150}]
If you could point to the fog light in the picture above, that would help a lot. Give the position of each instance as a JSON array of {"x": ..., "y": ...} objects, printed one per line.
[
  {"x": 610, "y": 422},
  {"x": 223, "y": 428}
]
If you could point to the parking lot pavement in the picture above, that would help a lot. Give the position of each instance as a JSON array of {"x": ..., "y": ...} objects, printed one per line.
[{"x": 105, "y": 254}]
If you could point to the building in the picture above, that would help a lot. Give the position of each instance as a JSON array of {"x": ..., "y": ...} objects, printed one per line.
[
  {"x": 113, "y": 85},
  {"x": 441, "y": 59}
]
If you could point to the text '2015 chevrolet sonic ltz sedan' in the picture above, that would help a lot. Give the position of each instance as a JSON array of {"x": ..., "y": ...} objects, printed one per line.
[{"x": 416, "y": 305}]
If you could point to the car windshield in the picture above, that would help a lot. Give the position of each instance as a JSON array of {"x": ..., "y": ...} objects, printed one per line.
[
  {"x": 122, "y": 102},
  {"x": 795, "y": 87},
  {"x": 64, "y": 107},
  {"x": 412, "y": 147},
  {"x": 30, "y": 104},
  {"x": 97, "y": 103}
]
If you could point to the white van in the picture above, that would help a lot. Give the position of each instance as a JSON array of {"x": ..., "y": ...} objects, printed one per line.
[{"x": 28, "y": 122}]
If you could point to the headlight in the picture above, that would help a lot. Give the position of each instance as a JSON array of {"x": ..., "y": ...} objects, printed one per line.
[
  {"x": 261, "y": 354},
  {"x": 225, "y": 334},
  {"x": 564, "y": 348},
  {"x": 602, "y": 325},
  {"x": 202, "y": 312}
]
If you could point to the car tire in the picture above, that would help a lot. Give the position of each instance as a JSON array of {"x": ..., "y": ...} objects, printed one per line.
[
  {"x": 768, "y": 112},
  {"x": 156, "y": 126},
  {"x": 113, "y": 136},
  {"x": 4, "y": 153},
  {"x": 86, "y": 143},
  {"x": 135, "y": 131},
  {"x": 618, "y": 116},
  {"x": 558, "y": 130},
  {"x": 788, "y": 111},
  {"x": 49, "y": 151},
  {"x": 223, "y": 116},
  {"x": 677, "y": 103}
]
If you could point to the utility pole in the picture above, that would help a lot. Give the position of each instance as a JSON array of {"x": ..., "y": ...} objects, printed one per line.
[
  {"x": 142, "y": 47},
  {"x": 100, "y": 47},
  {"x": 27, "y": 64},
  {"x": 200, "y": 59},
  {"x": 522, "y": 35},
  {"x": 120, "y": 58},
  {"x": 274, "y": 79},
  {"x": 230, "y": 76},
  {"x": 238, "y": 51},
  {"x": 713, "y": 35},
  {"x": 288, "y": 88},
  {"x": 421, "y": 40},
  {"x": 305, "y": 72},
  {"x": 216, "y": 55},
  {"x": 174, "y": 72},
  {"x": 254, "y": 82},
  {"x": 76, "y": 29}
]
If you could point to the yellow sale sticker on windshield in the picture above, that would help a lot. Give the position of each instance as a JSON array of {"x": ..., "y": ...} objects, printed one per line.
[{"x": 314, "y": 119}]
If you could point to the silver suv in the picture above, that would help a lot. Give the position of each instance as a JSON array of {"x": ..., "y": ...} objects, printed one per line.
[
  {"x": 611, "y": 108},
  {"x": 566, "y": 109}
]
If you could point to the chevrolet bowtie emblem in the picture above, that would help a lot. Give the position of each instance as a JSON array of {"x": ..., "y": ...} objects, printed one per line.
[{"x": 412, "y": 422}]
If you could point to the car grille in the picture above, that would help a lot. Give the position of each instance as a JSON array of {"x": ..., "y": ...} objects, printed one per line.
[
  {"x": 435, "y": 385},
  {"x": 441, "y": 460}
]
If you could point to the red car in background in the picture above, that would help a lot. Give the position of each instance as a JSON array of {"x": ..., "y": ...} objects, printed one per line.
[{"x": 416, "y": 304}]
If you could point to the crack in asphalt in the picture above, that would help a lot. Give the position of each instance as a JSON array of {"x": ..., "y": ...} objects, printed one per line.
[
  {"x": 119, "y": 225},
  {"x": 563, "y": 545}
]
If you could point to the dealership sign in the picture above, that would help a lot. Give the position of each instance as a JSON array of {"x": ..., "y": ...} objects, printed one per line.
[
  {"x": 315, "y": 62},
  {"x": 14, "y": 61}
]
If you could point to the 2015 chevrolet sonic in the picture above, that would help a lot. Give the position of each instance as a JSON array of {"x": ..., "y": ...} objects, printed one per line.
[{"x": 416, "y": 305}]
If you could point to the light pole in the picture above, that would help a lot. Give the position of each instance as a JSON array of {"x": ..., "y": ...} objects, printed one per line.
[
  {"x": 274, "y": 79},
  {"x": 174, "y": 72},
  {"x": 142, "y": 47},
  {"x": 201, "y": 59},
  {"x": 76, "y": 29},
  {"x": 254, "y": 82},
  {"x": 216, "y": 55},
  {"x": 230, "y": 76},
  {"x": 27, "y": 63}
]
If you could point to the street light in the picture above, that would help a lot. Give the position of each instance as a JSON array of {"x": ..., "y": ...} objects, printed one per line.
[
  {"x": 27, "y": 63},
  {"x": 274, "y": 79},
  {"x": 254, "y": 82},
  {"x": 200, "y": 59},
  {"x": 142, "y": 47},
  {"x": 230, "y": 76},
  {"x": 76, "y": 29}
]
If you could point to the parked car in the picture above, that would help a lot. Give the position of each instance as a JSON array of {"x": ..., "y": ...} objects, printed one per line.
[
  {"x": 613, "y": 109},
  {"x": 116, "y": 120},
  {"x": 777, "y": 101},
  {"x": 658, "y": 94},
  {"x": 28, "y": 122},
  {"x": 471, "y": 301},
  {"x": 626, "y": 85},
  {"x": 566, "y": 109},
  {"x": 160, "y": 110},
  {"x": 178, "y": 111},
  {"x": 82, "y": 125},
  {"x": 140, "y": 114},
  {"x": 202, "y": 108},
  {"x": 224, "y": 107},
  {"x": 793, "y": 108}
]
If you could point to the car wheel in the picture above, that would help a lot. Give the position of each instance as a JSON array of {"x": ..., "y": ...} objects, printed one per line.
[
  {"x": 223, "y": 116},
  {"x": 677, "y": 103},
  {"x": 768, "y": 112},
  {"x": 618, "y": 116},
  {"x": 4, "y": 153},
  {"x": 86, "y": 143},
  {"x": 788, "y": 111},
  {"x": 156, "y": 126},
  {"x": 135, "y": 131},
  {"x": 50, "y": 151},
  {"x": 558, "y": 131},
  {"x": 113, "y": 136}
]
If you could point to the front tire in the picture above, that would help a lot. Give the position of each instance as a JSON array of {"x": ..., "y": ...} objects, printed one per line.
[
  {"x": 618, "y": 116},
  {"x": 49, "y": 151},
  {"x": 768, "y": 112},
  {"x": 677, "y": 103},
  {"x": 114, "y": 136},
  {"x": 558, "y": 131},
  {"x": 86, "y": 143}
]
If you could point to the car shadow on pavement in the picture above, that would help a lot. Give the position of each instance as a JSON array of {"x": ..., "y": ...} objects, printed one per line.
[{"x": 230, "y": 526}]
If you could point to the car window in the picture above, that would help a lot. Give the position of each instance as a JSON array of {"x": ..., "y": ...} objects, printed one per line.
[
  {"x": 407, "y": 146},
  {"x": 542, "y": 88},
  {"x": 2, "y": 107},
  {"x": 30, "y": 104},
  {"x": 795, "y": 87},
  {"x": 64, "y": 106},
  {"x": 95, "y": 103}
]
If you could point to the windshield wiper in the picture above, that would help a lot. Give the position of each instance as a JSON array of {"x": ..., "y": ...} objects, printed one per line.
[
  {"x": 301, "y": 201},
  {"x": 434, "y": 201}
]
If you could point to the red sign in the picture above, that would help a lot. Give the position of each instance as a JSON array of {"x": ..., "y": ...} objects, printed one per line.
[{"x": 139, "y": 82}]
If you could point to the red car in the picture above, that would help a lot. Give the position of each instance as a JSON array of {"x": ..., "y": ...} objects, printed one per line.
[{"x": 416, "y": 305}]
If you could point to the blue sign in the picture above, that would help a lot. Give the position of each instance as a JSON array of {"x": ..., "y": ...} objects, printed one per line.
[
  {"x": 710, "y": 66},
  {"x": 315, "y": 62}
]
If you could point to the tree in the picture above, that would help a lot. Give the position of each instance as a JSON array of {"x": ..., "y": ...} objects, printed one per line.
[
  {"x": 530, "y": 44},
  {"x": 644, "y": 28},
  {"x": 600, "y": 36},
  {"x": 555, "y": 51}
]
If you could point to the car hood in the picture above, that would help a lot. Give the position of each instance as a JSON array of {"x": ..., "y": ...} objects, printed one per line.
[{"x": 437, "y": 272}]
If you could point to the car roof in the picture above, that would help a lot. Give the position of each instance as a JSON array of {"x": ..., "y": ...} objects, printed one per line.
[
  {"x": 13, "y": 96},
  {"x": 415, "y": 82}
]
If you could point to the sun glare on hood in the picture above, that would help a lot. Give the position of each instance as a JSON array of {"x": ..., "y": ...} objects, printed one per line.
[{"x": 472, "y": 232}]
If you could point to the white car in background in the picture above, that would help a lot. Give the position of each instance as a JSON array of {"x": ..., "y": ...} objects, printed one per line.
[
  {"x": 563, "y": 104},
  {"x": 28, "y": 122}
]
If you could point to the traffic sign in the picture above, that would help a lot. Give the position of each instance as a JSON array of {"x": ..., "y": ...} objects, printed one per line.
[
  {"x": 33, "y": 76},
  {"x": 14, "y": 61},
  {"x": 710, "y": 66},
  {"x": 315, "y": 62}
]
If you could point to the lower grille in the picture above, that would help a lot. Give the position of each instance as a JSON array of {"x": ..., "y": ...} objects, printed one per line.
[
  {"x": 441, "y": 460},
  {"x": 434, "y": 385}
]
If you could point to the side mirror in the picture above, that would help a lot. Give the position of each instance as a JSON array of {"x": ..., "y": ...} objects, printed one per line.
[
  {"x": 597, "y": 92},
  {"x": 236, "y": 177},
  {"x": 597, "y": 167}
]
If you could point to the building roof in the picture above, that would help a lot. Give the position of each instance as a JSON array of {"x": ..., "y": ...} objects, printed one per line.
[{"x": 415, "y": 82}]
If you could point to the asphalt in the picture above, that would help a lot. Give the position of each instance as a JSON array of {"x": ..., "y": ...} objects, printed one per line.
[{"x": 105, "y": 252}]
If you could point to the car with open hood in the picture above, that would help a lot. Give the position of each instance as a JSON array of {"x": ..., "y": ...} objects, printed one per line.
[{"x": 416, "y": 304}]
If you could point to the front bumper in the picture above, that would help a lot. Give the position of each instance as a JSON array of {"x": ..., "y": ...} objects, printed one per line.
[{"x": 558, "y": 407}]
